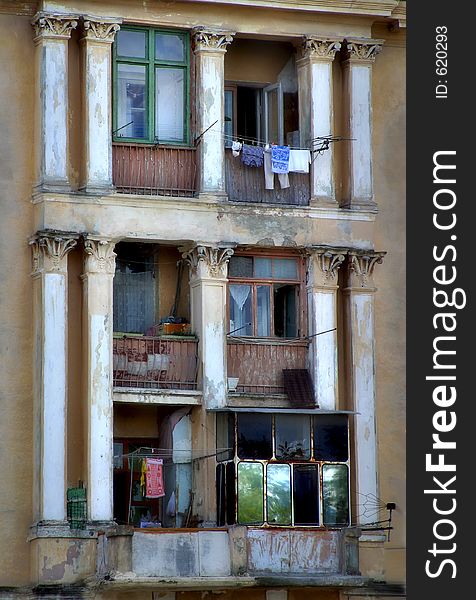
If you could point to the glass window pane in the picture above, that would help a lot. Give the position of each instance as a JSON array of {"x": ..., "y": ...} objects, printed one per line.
[
  {"x": 241, "y": 266},
  {"x": 285, "y": 310},
  {"x": 278, "y": 494},
  {"x": 131, "y": 101},
  {"x": 263, "y": 268},
  {"x": 169, "y": 47},
  {"x": 250, "y": 493},
  {"x": 230, "y": 493},
  {"x": 254, "y": 436},
  {"x": 131, "y": 43},
  {"x": 285, "y": 268},
  {"x": 169, "y": 104},
  {"x": 335, "y": 494},
  {"x": 225, "y": 436},
  {"x": 330, "y": 438},
  {"x": 293, "y": 437},
  {"x": 240, "y": 310},
  {"x": 220, "y": 478},
  {"x": 228, "y": 118},
  {"x": 264, "y": 310},
  {"x": 306, "y": 495}
]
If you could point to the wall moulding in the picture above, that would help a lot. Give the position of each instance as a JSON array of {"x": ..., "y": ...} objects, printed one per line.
[
  {"x": 320, "y": 48},
  {"x": 361, "y": 266},
  {"x": 51, "y": 25},
  {"x": 49, "y": 252},
  {"x": 325, "y": 263},
  {"x": 361, "y": 50},
  {"x": 100, "y": 256},
  {"x": 207, "y": 261},
  {"x": 100, "y": 29},
  {"x": 205, "y": 39}
]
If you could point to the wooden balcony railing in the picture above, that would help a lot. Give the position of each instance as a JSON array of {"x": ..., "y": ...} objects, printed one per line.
[
  {"x": 246, "y": 184},
  {"x": 155, "y": 170},
  {"x": 259, "y": 364},
  {"x": 166, "y": 362}
]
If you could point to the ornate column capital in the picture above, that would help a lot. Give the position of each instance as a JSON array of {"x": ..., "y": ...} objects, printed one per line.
[
  {"x": 324, "y": 264},
  {"x": 49, "y": 252},
  {"x": 319, "y": 48},
  {"x": 100, "y": 256},
  {"x": 99, "y": 30},
  {"x": 362, "y": 51},
  {"x": 361, "y": 267},
  {"x": 211, "y": 40},
  {"x": 208, "y": 262},
  {"x": 54, "y": 26}
]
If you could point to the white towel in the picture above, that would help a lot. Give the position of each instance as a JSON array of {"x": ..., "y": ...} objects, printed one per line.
[{"x": 299, "y": 161}]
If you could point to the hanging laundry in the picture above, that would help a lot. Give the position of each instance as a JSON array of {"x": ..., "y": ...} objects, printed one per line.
[
  {"x": 252, "y": 156},
  {"x": 154, "y": 478},
  {"x": 236, "y": 148},
  {"x": 269, "y": 175},
  {"x": 280, "y": 159},
  {"x": 143, "y": 470},
  {"x": 299, "y": 161}
]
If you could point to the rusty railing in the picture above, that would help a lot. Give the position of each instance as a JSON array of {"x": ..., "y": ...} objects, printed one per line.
[
  {"x": 154, "y": 170},
  {"x": 155, "y": 362},
  {"x": 246, "y": 184},
  {"x": 259, "y": 365}
]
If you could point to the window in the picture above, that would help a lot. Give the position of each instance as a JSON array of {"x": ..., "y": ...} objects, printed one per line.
[
  {"x": 283, "y": 469},
  {"x": 152, "y": 74},
  {"x": 264, "y": 294}
]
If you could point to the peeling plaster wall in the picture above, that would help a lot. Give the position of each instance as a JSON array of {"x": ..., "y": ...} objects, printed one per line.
[{"x": 16, "y": 343}]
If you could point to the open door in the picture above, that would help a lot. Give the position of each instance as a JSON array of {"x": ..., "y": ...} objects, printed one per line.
[{"x": 273, "y": 114}]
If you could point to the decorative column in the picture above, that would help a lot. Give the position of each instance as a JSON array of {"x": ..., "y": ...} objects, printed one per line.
[
  {"x": 98, "y": 36},
  {"x": 208, "y": 279},
  {"x": 50, "y": 276},
  {"x": 316, "y": 112},
  {"x": 360, "y": 296},
  {"x": 99, "y": 267},
  {"x": 322, "y": 289},
  {"x": 52, "y": 32},
  {"x": 209, "y": 48},
  {"x": 361, "y": 54}
]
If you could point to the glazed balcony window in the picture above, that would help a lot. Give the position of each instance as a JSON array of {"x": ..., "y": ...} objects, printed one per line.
[
  {"x": 151, "y": 86},
  {"x": 283, "y": 469}
]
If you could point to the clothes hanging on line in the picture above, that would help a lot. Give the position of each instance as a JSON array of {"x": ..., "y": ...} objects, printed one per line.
[
  {"x": 252, "y": 156},
  {"x": 280, "y": 159},
  {"x": 299, "y": 161},
  {"x": 154, "y": 481},
  {"x": 283, "y": 178},
  {"x": 236, "y": 148}
]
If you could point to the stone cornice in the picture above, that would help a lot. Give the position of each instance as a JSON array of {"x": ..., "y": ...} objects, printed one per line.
[
  {"x": 324, "y": 266},
  {"x": 52, "y": 25},
  {"x": 207, "y": 261},
  {"x": 362, "y": 50},
  {"x": 361, "y": 266},
  {"x": 211, "y": 40},
  {"x": 100, "y": 256},
  {"x": 320, "y": 48},
  {"x": 100, "y": 29},
  {"x": 49, "y": 252}
]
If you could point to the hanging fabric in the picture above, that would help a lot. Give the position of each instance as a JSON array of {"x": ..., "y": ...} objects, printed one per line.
[
  {"x": 154, "y": 478},
  {"x": 299, "y": 161},
  {"x": 143, "y": 470},
  {"x": 269, "y": 174},
  {"x": 252, "y": 156},
  {"x": 236, "y": 148},
  {"x": 280, "y": 159}
]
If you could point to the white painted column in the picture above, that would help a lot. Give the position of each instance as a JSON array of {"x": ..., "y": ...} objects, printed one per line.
[
  {"x": 99, "y": 267},
  {"x": 96, "y": 42},
  {"x": 360, "y": 296},
  {"x": 316, "y": 112},
  {"x": 52, "y": 33},
  {"x": 50, "y": 274},
  {"x": 357, "y": 73},
  {"x": 322, "y": 289},
  {"x": 209, "y": 48},
  {"x": 208, "y": 280}
]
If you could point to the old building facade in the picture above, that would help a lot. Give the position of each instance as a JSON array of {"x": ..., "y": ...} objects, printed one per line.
[{"x": 202, "y": 334}]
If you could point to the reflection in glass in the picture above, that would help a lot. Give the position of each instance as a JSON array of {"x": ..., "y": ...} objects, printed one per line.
[
  {"x": 306, "y": 495},
  {"x": 169, "y": 47},
  {"x": 240, "y": 310},
  {"x": 229, "y": 118},
  {"x": 330, "y": 438},
  {"x": 230, "y": 493},
  {"x": 250, "y": 493},
  {"x": 263, "y": 268},
  {"x": 285, "y": 268},
  {"x": 335, "y": 494},
  {"x": 131, "y": 43},
  {"x": 278, "y": 494},
  {"x": 254, "y": 436},
  {"x": 131, "y": 101},
  {"x": 220, "y": 478},
  {"x": 264, "y": 313},
  {"x": 169, "y": 104},
  {"x": 225, "y": 436},
  {"x": 293, "y": 437}
]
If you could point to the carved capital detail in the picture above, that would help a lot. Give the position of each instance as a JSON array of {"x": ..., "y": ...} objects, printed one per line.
[
  {"x": 100, "y": 256},
  {"x": 103, "y": 31},
  {"x": 363, "y": 50},
  {"x": 361, "y": 268},
  {"x": 320, "y": 48},
  {"x": 49, "y": 253},
  {"x": 211, "y": 39},
  {"x": 325, "y": 263},
  {"x": 208, "y": 262},
  {"x": 53, "y": 25}
]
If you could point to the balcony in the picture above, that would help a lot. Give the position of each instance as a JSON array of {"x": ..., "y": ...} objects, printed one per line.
[
  {"x": 259, "y": 364},
  {"x": 246, "y": 184},
  {"x": 167, "y": 362},
  {"x": 154, "y": 170}
]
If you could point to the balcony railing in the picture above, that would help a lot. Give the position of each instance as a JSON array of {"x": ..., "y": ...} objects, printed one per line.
[
  {"x": 246, "y": 184},
  {"x": 259, "y": 364},
  {"x": 154, "y": 170},
  {"x": 155, "y": 362}
]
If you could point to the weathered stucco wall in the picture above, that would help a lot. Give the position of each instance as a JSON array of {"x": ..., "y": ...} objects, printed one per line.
[
  {"x": 16, "y": 344},
  {"x": 256, "y": 61},
  {"x": 135, "y": 421}
]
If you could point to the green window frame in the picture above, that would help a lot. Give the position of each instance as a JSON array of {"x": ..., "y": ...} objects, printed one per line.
[{"x": 149, "y": 66}]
